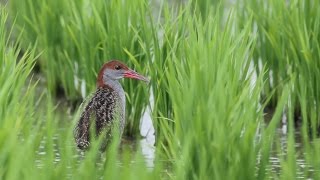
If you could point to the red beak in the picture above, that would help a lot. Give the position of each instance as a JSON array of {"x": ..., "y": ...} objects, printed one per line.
[{"x": 134, "y": 75}]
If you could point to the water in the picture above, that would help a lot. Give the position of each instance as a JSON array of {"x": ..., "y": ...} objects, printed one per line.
[
  {"x": 279, "y": 150},
  {"x": 146, "y": 147}
]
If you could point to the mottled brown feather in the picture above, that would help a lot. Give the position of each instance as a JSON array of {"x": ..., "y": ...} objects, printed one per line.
[{"x": 102, "y": 109}]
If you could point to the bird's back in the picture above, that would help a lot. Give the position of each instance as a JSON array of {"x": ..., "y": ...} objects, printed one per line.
[{"x": 104, "y": 110}]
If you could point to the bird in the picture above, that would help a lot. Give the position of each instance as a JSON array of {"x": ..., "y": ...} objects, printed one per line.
[{"x": 105, "y": 109}]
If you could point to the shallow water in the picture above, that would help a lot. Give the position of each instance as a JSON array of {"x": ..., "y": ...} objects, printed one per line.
[
  {"x": 146, "y": 147},
  {"x": 279, "y": 151}
]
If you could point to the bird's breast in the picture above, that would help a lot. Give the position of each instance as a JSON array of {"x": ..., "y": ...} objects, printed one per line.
[{"x": 110, "y": 109}]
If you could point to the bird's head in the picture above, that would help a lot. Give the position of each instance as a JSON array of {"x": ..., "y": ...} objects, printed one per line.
[{"x": 115, "y": 70}]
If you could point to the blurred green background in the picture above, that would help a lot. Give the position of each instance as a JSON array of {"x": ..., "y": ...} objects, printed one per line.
[{"x": 234, "y": 90}]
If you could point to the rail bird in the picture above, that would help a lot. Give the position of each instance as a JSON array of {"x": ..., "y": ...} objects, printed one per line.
[{"x": 105, "y": 110}]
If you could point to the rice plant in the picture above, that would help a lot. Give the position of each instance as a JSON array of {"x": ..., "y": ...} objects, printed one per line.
[
  {"x": 215, "y": 111},
  {"x": 288, "y": 45},
  {"x": 77, "y": 37},
  {"x": 213, "y": 73},
  {"x": 36, "y": 137}
]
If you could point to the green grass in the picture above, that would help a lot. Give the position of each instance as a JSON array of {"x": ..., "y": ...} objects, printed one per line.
[
  {"x": 36, "y": 137},
  {"x": 76, "y": 38},
  {"x": 201, "y": 58},
  {"x": 216, "y": 113},
  {"x": 288, "y": 44}
]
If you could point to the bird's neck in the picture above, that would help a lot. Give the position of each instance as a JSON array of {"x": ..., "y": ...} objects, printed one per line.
[{"x": 116, "y": 86}]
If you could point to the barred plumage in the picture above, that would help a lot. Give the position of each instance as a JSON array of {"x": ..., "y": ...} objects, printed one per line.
[
  {"x": 106, "y": 108},
  {"x": 103, "y": 109}
]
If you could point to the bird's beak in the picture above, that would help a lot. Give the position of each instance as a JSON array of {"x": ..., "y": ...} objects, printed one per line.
[{"x": 134, "y": 75}]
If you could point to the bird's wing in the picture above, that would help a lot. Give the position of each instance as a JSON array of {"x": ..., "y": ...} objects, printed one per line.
[
  {"x": 106, "y": 114},
  {"x": 105, "y": 106},
  {"x": 100, "y": 109},
  {"x": 81, "y": 131}
]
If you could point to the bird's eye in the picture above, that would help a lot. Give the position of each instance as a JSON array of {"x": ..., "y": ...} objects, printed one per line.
[{"x": 117, "y": 67}]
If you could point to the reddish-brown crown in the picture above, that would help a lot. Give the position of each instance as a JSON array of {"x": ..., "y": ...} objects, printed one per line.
[{"x": 115, "y": 65}]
